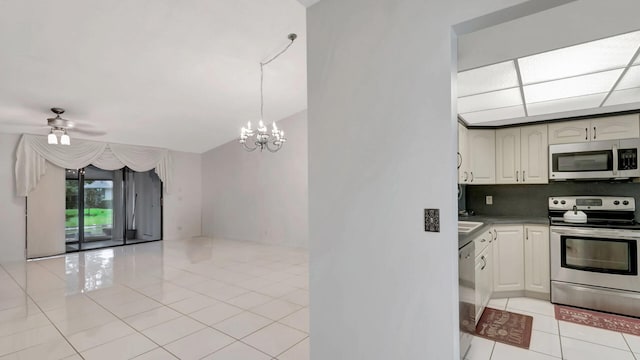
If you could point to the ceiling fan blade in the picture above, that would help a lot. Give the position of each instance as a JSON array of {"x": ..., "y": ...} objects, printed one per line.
[{"x": 89, "y": 132}]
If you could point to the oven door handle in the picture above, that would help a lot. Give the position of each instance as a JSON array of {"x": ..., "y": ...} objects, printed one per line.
[
  {"x": 596, "y": 233},
  {"x": 615, "y": 159}
]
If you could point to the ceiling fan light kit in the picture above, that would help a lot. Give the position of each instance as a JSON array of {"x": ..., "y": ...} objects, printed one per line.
[
  {"x": 263, "y": 140},
  {"x": 59, "y": 128}
]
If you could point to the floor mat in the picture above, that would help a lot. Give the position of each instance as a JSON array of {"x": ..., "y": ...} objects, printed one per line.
[
  {"x": 505, "y": 327},
  {"x": 618, "y": 323}
]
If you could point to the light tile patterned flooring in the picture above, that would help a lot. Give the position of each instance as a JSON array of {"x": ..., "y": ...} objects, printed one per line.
[
  {"x": 552, "y": 339},
  {"x": 192, "y": 299}
]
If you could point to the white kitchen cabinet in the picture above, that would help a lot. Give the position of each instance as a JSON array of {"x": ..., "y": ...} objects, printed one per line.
[
  {"x": 536, "y": 258},
  {"x": 508, "y": 156},
  {"x": 484, "y": 280},
  {"x": 534, "y": 154},
  {"x": 481, "y": 145},
  {"x": 615, "y": 127},
  {"x": 508, "y": 258},
  {"x": 604, "y": 128},
  {"x": 522, "y": 155},
  {"x": 463, "y": 155}
]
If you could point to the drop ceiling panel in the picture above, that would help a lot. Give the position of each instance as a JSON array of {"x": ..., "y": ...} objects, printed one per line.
[
  {"x": 491, "y": 100},
  {"x": 623, "y": 97},
  {"x": 631, "y": 79},
  {"x": 571, "y": 87},
  {"x": 479, "y": 117},
  {"x": 566, "y": 104},
  {"x": 605, "y": 54},
  {"x": 488, "y": 78}
]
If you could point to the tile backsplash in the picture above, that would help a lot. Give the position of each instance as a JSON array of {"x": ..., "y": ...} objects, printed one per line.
[{"x": 531, "y": 200}]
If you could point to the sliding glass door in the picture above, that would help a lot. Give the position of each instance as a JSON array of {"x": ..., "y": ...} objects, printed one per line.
[{"x": 109, "y": 208}]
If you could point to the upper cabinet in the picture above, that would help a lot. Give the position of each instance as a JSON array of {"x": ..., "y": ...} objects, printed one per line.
[
  {"x": 605, "y": 128},
  {"x": 521, "y": 155},
  {"x": 463, "y": 155},
  {"x": 482, "y": 158}
]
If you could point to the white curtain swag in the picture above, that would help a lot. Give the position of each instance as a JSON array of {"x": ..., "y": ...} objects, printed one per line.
[{"x": 33, "y": 153}]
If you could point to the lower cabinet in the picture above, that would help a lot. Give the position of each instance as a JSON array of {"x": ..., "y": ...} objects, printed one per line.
[
  {"x": 484, "y": 280},
  {"x": 536, "y": 259},
  {"x": 508, "y": 258},
  {"x": 521, "y": 258}
]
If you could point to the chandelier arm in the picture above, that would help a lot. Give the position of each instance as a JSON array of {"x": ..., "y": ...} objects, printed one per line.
[
  {"x": 249, "y": 149},
  {"x": 277, "y": 147}
]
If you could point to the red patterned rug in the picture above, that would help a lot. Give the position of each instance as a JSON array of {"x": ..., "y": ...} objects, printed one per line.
[
  {"x": 505, "y": 327},
  {"x": 627, "y": 325}
]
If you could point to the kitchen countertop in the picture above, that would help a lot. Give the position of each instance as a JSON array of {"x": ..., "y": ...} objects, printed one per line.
[{"x": 488, "y": 221}]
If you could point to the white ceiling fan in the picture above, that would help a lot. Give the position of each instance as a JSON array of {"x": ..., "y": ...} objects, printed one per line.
[{"x": 60, "y": 126}]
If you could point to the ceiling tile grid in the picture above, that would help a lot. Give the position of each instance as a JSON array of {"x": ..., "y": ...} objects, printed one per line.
[{"x": 599, "y": 73}]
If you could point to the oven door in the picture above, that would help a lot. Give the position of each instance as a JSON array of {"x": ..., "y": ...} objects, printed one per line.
[{"x": 598, "y": 257}]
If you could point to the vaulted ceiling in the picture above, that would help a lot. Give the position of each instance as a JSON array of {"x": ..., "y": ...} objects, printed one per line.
[{"x": 178, "y": 74}]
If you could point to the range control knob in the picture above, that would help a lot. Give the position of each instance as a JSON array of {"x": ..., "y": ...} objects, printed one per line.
[
  {"x": 626, "y": 202},
  {"x": 616, "y": 202},
  {"x": 563, "y": 202},
  {"x": 555, "y": 202}
]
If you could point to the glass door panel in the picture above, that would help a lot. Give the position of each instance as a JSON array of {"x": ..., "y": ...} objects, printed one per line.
[
  {"x": 98, "y": 210},
  {"x": 72, "y": 223}
]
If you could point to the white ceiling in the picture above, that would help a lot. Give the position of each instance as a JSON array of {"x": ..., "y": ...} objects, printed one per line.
[
  {"x": 177, "y": 74},
  {"x": 571, "y": 60},
  {"x": 594, "y": 75}
]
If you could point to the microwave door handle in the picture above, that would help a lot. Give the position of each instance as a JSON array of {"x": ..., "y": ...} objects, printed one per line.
[{"x": 615, "y": 160}]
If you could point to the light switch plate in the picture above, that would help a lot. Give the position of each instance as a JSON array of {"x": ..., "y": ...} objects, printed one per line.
[
  {"x": 489, "y": 200},
  {"x": 432, "y": 220}
]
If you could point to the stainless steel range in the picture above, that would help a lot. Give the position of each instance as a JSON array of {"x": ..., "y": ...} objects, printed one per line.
[{"x": 594, "y": 258}]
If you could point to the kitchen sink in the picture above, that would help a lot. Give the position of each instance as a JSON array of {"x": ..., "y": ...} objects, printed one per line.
[{"x": 468, "y": 226}]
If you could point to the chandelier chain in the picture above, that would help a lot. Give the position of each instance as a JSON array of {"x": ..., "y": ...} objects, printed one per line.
[{"x": 262, "y": 64}]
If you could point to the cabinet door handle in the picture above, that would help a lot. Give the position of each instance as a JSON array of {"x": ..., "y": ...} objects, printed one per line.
[
  {"x": 471, "y": 176},
  {"x": 466, "y": 176},
  {"x": 459, "y": 160},
  {"x": 484, "y": 260},
  {"x": 491, "y": 234},
  {"x": 483, "y": 240},
  {"x": 495, "y": 235},
  {"x": 527, "y": 235},
  {"x": 586, "y": 133},
  {"x": 517, "y": 176},
  {"x": 523, "y": 175},
  {"x": 594, "y": 133}
]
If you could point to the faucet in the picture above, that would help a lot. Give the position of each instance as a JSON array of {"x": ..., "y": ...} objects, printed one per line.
[{"x": 575, "y": 210}]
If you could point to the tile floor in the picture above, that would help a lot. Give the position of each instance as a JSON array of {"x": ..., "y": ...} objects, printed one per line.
[
  {"x": 552, "y": 339},
  {"x": 195, "y": 299}
]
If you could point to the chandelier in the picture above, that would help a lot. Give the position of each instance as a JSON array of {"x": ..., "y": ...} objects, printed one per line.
[{"x": 260, "y": 138}]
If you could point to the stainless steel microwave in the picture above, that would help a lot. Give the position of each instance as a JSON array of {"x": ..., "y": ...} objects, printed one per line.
[{"x": 609, "y": 159}]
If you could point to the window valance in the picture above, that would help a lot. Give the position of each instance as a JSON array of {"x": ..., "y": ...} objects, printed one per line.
[{"x": 33, "y": 153}]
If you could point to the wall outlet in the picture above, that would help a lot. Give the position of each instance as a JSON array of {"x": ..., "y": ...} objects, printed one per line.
[
  {"x": 432, "y": 220},
  {"x": 489, "y": 200}
]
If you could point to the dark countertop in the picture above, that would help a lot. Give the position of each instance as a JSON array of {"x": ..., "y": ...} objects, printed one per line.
[{"x": 488, "y": 221}]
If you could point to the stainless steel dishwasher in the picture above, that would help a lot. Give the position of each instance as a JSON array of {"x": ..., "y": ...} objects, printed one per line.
[{"x": 466, "y": 292}]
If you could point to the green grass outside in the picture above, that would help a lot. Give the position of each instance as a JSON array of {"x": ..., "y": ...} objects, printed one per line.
[{"x": 91, "y": 217}]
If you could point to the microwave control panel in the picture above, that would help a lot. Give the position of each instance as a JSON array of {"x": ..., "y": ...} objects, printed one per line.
[{"x": 627, "y": 159}]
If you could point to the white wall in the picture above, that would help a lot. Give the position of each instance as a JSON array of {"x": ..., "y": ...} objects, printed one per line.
[
  {"x": 258, "y": 196},
  {"x": 382, "y": 145},
  {"x": 182, "y": 210},
  {"x": 12, "y": 208},
  {"x": 182, "y": 207}
]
